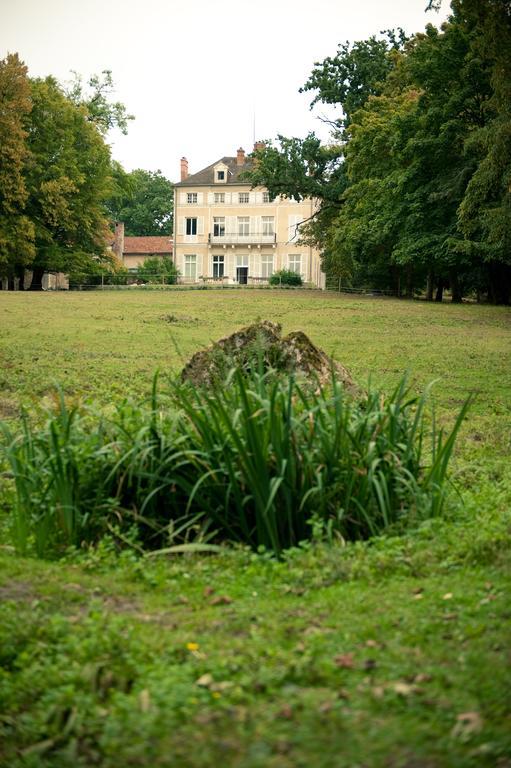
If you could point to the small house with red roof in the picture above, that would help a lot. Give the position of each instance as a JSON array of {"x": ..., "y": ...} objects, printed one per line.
[{"x": 134, "y": 251}]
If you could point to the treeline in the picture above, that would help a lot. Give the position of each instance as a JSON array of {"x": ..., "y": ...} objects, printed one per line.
[
  {"x": 414, "y": 188},
  {"x": 60, "y": 190}
]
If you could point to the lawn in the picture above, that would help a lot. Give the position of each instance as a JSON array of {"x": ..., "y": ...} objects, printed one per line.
[{"x": 393, "y": 653}]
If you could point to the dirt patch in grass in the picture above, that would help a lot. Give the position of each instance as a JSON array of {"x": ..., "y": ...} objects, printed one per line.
[{"x": 18, "y": 591}]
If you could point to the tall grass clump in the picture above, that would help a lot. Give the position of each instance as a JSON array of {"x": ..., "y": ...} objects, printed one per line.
[{"x": 263, "y": 460}]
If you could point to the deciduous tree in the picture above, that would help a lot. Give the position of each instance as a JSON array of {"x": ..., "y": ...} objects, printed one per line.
[
  {"x": 16, "y": 229},
  {"x": 143, "y": 200}
]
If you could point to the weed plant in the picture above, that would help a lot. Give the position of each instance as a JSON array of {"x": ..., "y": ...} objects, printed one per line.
[{"x": 263, "y": 460}]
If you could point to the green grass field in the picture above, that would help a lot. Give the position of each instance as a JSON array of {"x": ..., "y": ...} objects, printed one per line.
[{"x": 394, "y": 653}]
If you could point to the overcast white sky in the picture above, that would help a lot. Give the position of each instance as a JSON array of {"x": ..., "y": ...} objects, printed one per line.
[{"x": 195, "y": 72}]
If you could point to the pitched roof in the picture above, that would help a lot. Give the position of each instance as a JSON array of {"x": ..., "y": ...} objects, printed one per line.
[
  {"x": 207, "y": 175},
  {"x": 147, "y": 245}
]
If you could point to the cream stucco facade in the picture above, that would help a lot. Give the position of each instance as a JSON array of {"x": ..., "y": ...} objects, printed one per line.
[{"x": 227, "y": 232}]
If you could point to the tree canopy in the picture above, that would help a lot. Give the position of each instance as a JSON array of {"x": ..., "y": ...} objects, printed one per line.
[
  {"x": 16, "y": 228},
  {"x": 413, "y": 189},
  {"x": 143, "y": 200},
  {"x": 57, "y": 178}
]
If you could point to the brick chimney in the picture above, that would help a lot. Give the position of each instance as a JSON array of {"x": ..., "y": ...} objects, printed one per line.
[
  {"x": 240, "y": 157},
  {"x": 184, "y": 168},
  {"x": 259, "y": 145},
  {"x": 118, "y": 246}
]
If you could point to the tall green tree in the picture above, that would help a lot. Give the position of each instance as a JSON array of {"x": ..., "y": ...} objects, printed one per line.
[
  {"x": 143, "y": 200},
  {"x": 67, "y": 179},
  {"x": 16, "y": 229},
  {"x": 419, "y": 193},
  {"x": 485, "y": 212}
]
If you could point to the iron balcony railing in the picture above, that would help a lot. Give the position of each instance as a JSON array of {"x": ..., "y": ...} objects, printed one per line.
[{"x": 234, "y": 238}]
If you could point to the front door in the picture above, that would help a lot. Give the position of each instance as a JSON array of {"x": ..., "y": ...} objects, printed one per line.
[{"x": 242, "y": 275}]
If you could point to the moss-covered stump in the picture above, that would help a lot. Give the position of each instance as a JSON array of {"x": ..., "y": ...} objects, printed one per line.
[{"x": 261, "y": 345}]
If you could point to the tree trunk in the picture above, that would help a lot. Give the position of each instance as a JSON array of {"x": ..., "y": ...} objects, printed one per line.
[
  {"x": 456, "y": 294},
  {"x": 37, "y": 279},
  {"x": 439, "y": 291},
  {"x": 429, "y": 287},
  {"x": 500, "y": 283},
  {"x": 409, "y": 282},
  {"x": 20, "y": 274}
]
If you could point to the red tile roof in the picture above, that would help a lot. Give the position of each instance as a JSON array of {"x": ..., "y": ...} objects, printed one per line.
[{"x": 147, "y": 245}]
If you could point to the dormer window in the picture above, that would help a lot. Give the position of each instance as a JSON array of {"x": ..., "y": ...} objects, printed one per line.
[{"x": 220, "y": 173}]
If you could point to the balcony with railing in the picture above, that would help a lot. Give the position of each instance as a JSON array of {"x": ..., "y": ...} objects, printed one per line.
[{"x": 237, "y": 238}]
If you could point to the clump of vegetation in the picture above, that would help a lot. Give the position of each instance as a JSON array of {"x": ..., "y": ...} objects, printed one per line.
[
  {"x": 261, "y": 461},
  {"x": 157, "y": 270},
  {"x": 286, "y": 277}
]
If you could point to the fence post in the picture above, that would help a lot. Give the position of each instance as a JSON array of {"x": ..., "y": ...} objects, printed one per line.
[{"x": 102, "y": 281}]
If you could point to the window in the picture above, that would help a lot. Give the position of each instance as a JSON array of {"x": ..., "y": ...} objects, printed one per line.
[
  {"x": 294, "y": 222},
  {"x": 219, "y": 197},
  {"x": 218, "y": 266},
  {"x": 191, "y": 226},
  {"x": 243, "y": 225},
  {"x": 218, "y": 226},
  {"x": 191, "y": 197},
  {"x": 190, "y": 265},
  {"x": 295, "y": 263},
  {"x": 266, "y": 197},
  {"x": 267, "y": 222},
  {"x": 243, "y": 197},
  {"x": 220, "y": 175},
  {"x": 266, "y": 265}
]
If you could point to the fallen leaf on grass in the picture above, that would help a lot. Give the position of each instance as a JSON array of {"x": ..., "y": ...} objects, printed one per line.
[
  {"x": 221, "y": 600},
  {"x": 325, "y": 707},
  {"x": 286, "y": 712},
  {"x": 344, "y": 661},
  {"x": 423, "y": 677},
  {"x": 404, "y": 689},
  {"x": 467, "y": 724},
  {"x": 205, "y": 680},
  {"x": 447, "y": 596}
]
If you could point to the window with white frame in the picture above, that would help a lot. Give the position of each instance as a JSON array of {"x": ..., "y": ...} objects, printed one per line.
[
  {"x": 243, "y": 225},
  {"x": 191, "y": 197},
  {"x": 190, "y": 265},
  {"x": 219, "y": 197},
  {"x": 218, "y": 265},
  {"x": 242, "y": 260},
  {"x": 243, "y": 197},
  {"x": 268, "y": 225},
  {"x": 218, "y": 226},
  {"x": 295, "y": 263},
  {"x": 266, "y": 264},
  {"x": 220, "y": 175},
  {"x": 191, "y": 226},
  {"x": 266, "y": 197}
]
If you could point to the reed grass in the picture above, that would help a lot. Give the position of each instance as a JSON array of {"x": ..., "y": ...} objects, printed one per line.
[{"x": 263, "y": 460}]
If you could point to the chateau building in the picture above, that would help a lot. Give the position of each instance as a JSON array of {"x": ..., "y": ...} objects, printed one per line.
[{"x": 225, "y": 231}]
